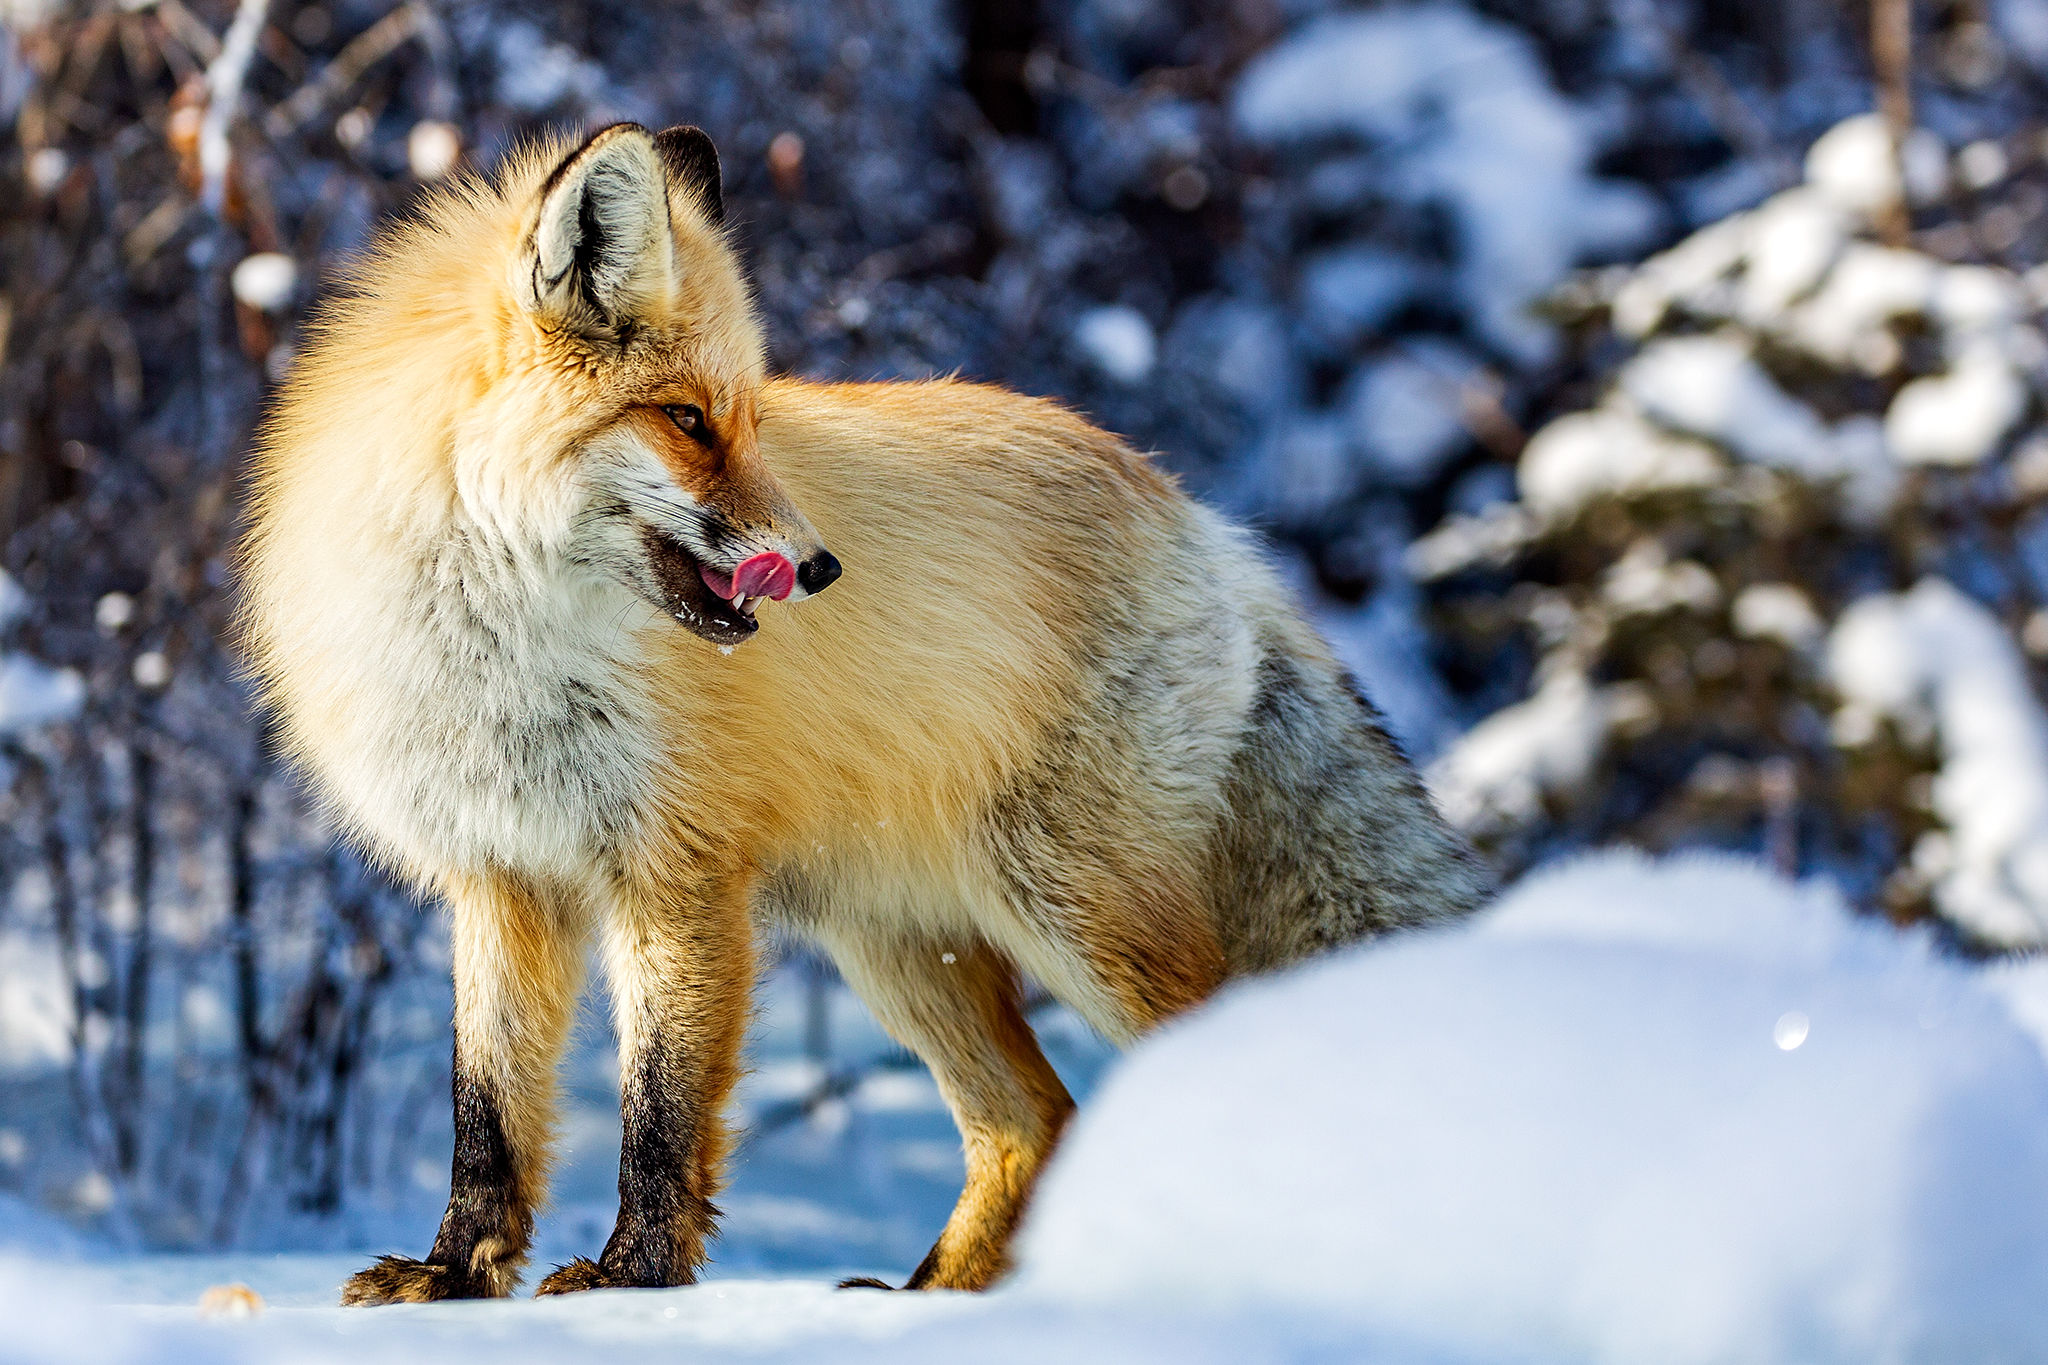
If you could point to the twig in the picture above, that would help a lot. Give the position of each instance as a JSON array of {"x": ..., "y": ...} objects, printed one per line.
[
  {"x": 224, "y": 78},
  {"x": 364, "y": 51},
  {"x": 1738, "y": 124},
  {"x": 1891, "y": 61},
  {"x": 835, "y": 1086},
  {"x": 196, "y": 38}
]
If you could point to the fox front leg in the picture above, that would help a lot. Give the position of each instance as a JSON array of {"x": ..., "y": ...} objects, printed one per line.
[
  {"x": 518, "y": 966},
  {"x": 681, "y": 970}
]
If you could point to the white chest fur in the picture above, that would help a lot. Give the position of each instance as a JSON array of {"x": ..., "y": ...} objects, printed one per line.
[{"x": 498, "y": 716}]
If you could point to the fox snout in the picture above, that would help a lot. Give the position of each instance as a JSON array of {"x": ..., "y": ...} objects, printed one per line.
[
  {"x": 720, "y": 603},
  {"x": 771, "y": 575}
]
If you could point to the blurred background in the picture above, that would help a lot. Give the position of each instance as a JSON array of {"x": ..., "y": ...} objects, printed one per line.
[{"x": 1646, "y": 396}]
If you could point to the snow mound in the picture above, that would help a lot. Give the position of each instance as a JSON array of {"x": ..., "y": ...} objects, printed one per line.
[{"x": 1673, "y": 1112}]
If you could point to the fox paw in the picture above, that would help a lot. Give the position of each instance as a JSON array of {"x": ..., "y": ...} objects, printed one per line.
[
  {"x": 575, "y": 1277},
  {"x": 400, "y": 1279}
]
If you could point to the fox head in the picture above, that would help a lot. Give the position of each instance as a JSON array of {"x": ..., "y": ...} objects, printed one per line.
[{"x": 636, "y": 314}]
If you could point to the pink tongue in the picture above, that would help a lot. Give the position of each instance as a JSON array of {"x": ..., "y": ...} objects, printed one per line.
[{"x": 766, "y": 575}]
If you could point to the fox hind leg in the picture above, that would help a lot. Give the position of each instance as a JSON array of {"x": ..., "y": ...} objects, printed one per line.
[
  {"x": 518, "y": 967},
  {"x": 957, "y": 1007}
]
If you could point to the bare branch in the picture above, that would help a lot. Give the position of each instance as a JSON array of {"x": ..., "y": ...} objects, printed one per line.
[
  {"x": 1891, "y": 60},
  {"x": 224, "y": 78},
  {"x": 371, "y": 46}
]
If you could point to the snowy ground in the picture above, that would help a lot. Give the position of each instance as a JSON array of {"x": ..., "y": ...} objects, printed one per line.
[
  {"x": 831, "y": 1180},
  {"x": 1679, "y": 1112}
]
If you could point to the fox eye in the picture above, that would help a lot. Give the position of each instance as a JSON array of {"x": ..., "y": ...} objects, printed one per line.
[{"x": 689, "y": 419}]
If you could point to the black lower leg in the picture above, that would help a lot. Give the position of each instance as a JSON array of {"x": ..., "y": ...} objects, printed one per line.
[
  {"x": 667, "y": 1157},
  {"x": 482, "y": 1242},
  {"x": 664, "y": 1216},
  {"x": 489, "y": 1220}
]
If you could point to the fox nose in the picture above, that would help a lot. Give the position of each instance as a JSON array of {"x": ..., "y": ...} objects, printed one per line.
[{"x": 818, "y": 572}]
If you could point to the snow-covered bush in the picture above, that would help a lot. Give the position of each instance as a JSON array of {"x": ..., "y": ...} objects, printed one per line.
[
  {"x": 1797, "y": 417},
  {"x": 1678, "y": 1112},
  {"x": 1440, "y": 169}
]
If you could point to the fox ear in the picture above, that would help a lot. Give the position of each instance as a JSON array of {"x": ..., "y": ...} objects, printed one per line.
[
  {"x": 692, "y": 162},
  {"x": 601, "y": 252}
]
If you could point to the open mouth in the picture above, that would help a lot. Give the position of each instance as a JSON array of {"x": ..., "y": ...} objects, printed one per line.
[{"x": 699, "y": 596}]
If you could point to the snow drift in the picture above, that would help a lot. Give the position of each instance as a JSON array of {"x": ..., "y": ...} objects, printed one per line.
[{"x": 1678, "y": 1112}]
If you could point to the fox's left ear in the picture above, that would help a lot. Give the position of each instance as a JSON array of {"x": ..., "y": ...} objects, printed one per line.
[
  {"x": 600, "y": 251},
  {"x": 692, "y": 162}
]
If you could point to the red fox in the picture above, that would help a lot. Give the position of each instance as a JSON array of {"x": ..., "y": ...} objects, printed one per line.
[{"x": 528, "y": 588}]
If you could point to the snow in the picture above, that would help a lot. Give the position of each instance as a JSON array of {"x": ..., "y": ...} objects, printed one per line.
[
  {"x": 1241, "y": 348},
  {"x": 1304, "y": 468},
  {"x": 1475, "y": 126},
  {"x": 1607, "y": 451},
  {"x": 1977, "y": 301},
  {"x": 1488, "y": 538},
  {"x": 1712, "y": 388},
  {"x": 1870, "y": 477},
  {"x": 35, "y": 1007},
  {"x": 433, "y": 148},
  {"x": 1793, "y": 239},
  {"x": 1118, "y": 341},
  {"x": 2024, "y": 26},
  {"x": 1675, "y": 1112},
  {"x": 1793, "y": 273},
  {"x": 113, "y": 612},
  {"x": 155, "y": 1318},
  {"x": 1645, "y": 581},
  {"x": 1869, "y": 287},
  {"x": 265, "y": 280},
  {"x": 1499, "y": 772},
  {"x": 1937, "y": 663},
  {"x": 1406, "y": 411},
  {"x": 14, "y": 601},
  {"x": 46, "y": 169},
  {"x": 535, "y": 74},
  {"x": 151, "y": 669},
  {"x": 34, "y": 694},
  {"x": 1777, "y": 611},
  {"x": 1854, "y": 165},
  {"x": 1957, "y": 418},
  {"x": 1348, "y": 292},
  {"x": 1686, "y": 273}
]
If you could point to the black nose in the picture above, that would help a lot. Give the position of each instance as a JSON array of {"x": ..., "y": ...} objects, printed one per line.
[{"x": 818, "y": 572}]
